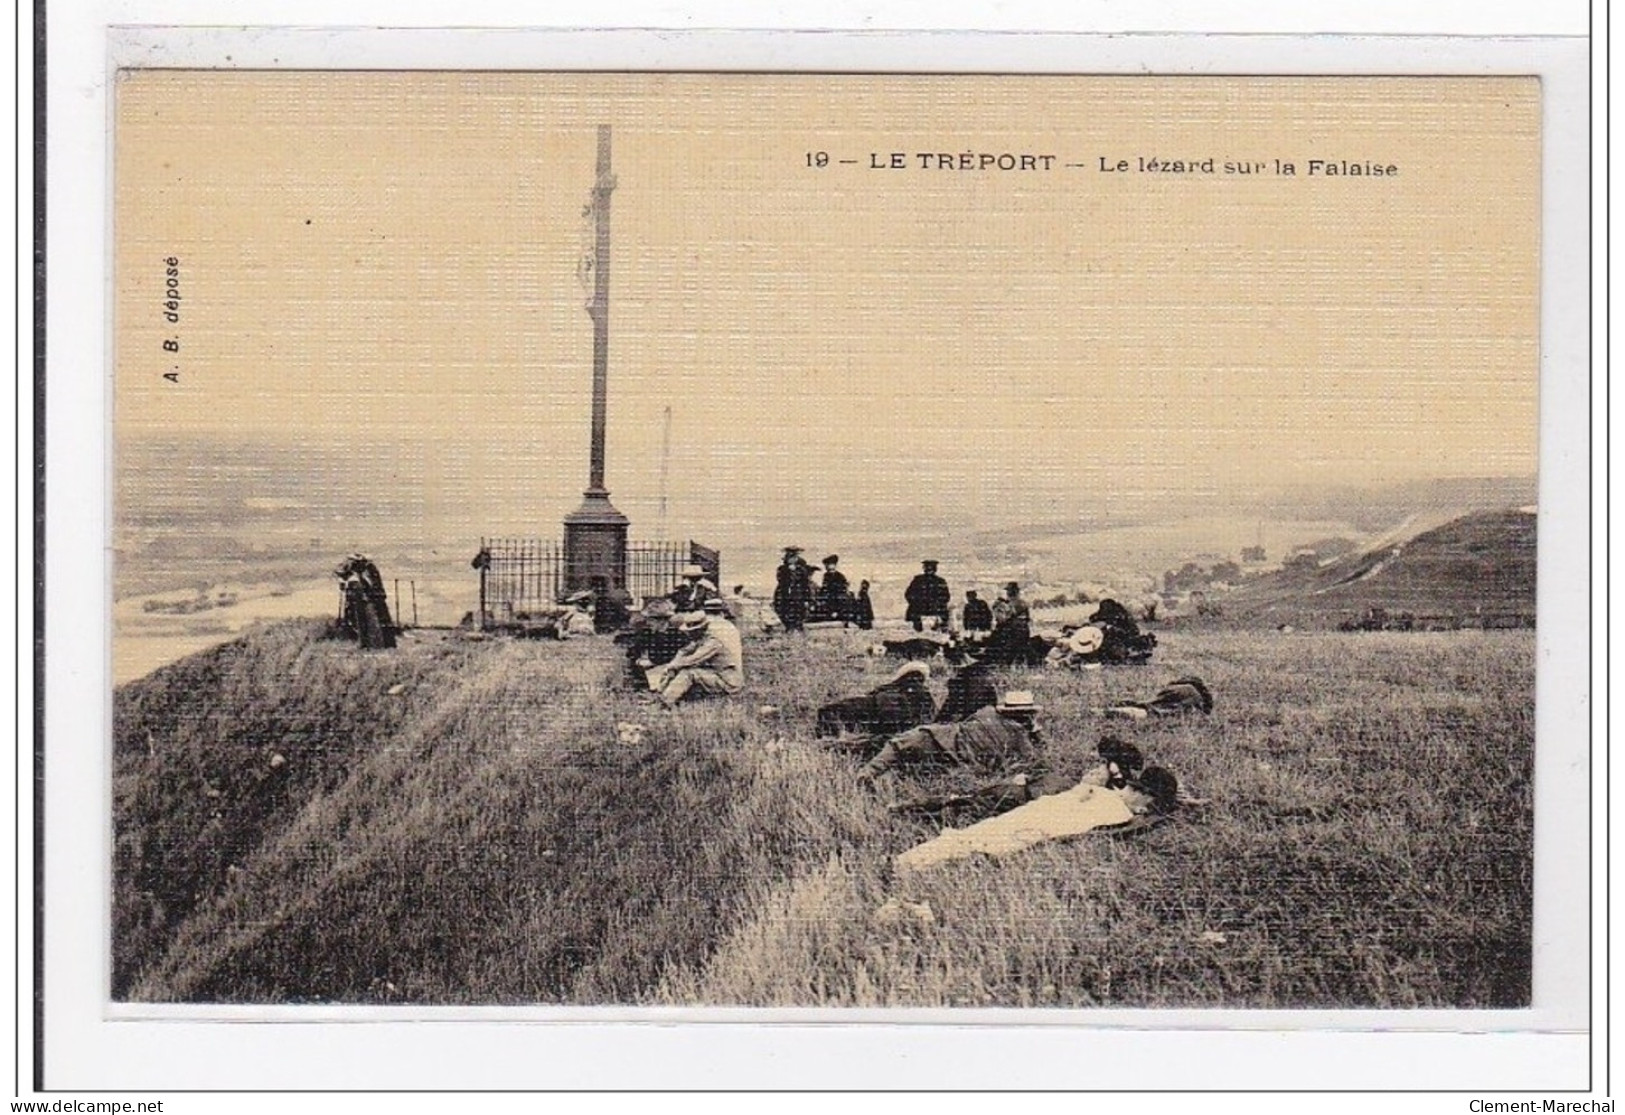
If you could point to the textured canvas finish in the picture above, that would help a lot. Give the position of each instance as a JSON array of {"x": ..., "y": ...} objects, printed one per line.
[{"x": 1256, "y": 357}]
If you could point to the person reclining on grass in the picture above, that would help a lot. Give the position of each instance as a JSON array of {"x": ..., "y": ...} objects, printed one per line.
[
  {"x": 1120, "y": 768},
  {"x": 1178, "y": 697},
  {"x": 1063, "y": 815},
  {"x": 1002, "y": 740},
  {"x": 901, "y": 703},
  {"x": 713, "y": 664}
]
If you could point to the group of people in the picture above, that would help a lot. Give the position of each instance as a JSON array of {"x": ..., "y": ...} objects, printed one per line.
[
  {"x": 676, "y": 655},
  {"x": 984, "y": 753},
  {"x": 977, "y": 762},
  {"x": 802, "y": 594},
  {"x": 929, "y": 604},
  {"x": 1001, "y": 631},
  {"x": 971, "y": 756}
]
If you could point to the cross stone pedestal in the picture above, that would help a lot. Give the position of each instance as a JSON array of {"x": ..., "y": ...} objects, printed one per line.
[{"x": 595, "y": 545}]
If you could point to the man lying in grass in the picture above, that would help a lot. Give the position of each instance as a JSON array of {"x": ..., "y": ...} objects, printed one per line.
[
  {"x": 1122, "y": 768},
  {"x": 1001, "y": 740}
]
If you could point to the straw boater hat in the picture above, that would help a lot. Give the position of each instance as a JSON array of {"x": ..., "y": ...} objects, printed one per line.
[
  {"x": 714, "y": 606},
  {"x": 1086, "y": 640},
  {"x": 908, "y": 668},
  {"x": 1017, "y": 700},
  {"x": 691, "y": 621},
  {"x": 692, "y": 570},
  {"x": 582, "y": 597}
]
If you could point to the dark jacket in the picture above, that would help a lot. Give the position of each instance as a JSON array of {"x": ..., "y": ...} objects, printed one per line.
[
  {"x": 863, "y": 610},
  {"x": 989, "y": 742},
  {"x": 835, "y": 586},
  {"x": 978, "y": 616},
  {"x": 793, "y": 593},
  {"x": 1186, "y": 694},
  {"x": 794, "y": 585},
  {"x": 969, "y": 688},
  {"x": 927, "y": 595},
  {"x": 885, "y": 710}
]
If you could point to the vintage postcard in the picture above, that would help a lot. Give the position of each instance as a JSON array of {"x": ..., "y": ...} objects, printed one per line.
[{"x": 815, "y": 541}]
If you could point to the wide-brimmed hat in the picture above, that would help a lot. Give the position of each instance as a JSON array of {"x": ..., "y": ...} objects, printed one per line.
[
  {"x": 1086, "y": 640},
  {"x": 691, "y": 621},
  {"x": 582, "y": 597},
  {"x": 911, "y": 668},
  {"x": 692, "y": 571},
  {"x": 1017, "y": 700}
]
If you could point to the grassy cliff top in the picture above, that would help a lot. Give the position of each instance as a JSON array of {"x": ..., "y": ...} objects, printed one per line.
[{"x": 472, "y": 822}]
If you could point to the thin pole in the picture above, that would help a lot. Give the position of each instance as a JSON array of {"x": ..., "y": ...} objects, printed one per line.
[{"x": 665, "y": 466}]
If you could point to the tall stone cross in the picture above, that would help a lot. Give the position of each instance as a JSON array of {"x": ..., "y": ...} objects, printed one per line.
[{"x": 595, "y": 533}]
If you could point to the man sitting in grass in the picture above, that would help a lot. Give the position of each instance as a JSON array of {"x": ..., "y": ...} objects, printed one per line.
[
  {"x": 651, "y": 640},
  {"x": 712, "y": 664},
  {"x": 575, "y": 618}
]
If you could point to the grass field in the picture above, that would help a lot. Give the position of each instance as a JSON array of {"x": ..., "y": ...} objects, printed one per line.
[{"x": 467, "y": 822}]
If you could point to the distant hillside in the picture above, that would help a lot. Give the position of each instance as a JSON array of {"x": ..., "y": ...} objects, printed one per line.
[
  {"x": 1373, "y": 509},
  {"x": 1475, "y": 564}
]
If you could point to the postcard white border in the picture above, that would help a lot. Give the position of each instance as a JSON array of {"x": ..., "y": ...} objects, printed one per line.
[{"x": 93, "y": 1045}]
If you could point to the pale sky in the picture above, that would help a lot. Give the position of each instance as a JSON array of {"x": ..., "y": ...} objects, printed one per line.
[{"x": 388, "y": 262}]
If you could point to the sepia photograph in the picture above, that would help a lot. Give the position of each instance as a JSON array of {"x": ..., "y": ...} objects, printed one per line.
[{"x": 798, "y": 540}]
